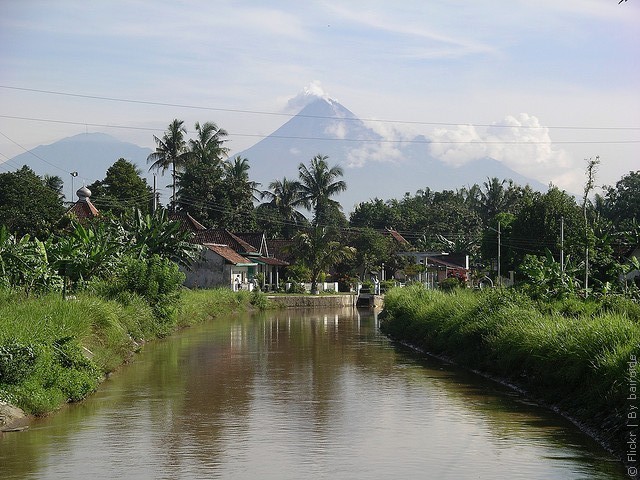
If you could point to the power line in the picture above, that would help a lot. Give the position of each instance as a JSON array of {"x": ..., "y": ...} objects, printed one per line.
[
  {"x": 35, "y": 155},
  {"x": 325, "y": 139},
  {"x": 290, "y": 115}
]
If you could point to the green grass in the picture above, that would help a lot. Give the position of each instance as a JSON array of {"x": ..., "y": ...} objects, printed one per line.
[
  {"x": 570, "y": 354},
  {"x": 53, "y": 351}
]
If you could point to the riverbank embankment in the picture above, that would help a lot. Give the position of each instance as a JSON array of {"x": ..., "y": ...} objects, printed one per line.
[
  {"x": 54, "y": 350},
  {"x": 580, "y": 359}
]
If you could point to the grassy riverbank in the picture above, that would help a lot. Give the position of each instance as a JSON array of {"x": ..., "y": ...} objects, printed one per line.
[
  {"x": 580, "y": 357},
  {"x": 53, "y": 350}
]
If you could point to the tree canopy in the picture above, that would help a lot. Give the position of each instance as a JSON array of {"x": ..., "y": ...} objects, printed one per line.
[{"x": 29, "y": 204}]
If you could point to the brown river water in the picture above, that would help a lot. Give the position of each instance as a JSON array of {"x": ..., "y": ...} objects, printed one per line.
[{"x": 299, "y": 395}]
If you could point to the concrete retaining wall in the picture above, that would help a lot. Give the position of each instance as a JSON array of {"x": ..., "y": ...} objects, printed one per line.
[
  {"x": 322, "y": 301},
  {"x": 313, "y": 301}
]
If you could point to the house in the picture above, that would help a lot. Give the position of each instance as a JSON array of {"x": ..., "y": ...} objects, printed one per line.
[
  {"x": 83, "y": 209},
  {"x": 244, "y": 268},
  {"x": 220, "y": 265},
  {"x": 633, "y": 276},
  {"x": 269, "y": 266},
  {"x": 439, "y": 266}
]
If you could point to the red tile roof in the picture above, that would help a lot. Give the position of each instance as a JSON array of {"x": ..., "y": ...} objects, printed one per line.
[
  {"x": 276, "y": 262},
  {"x": 223, "y": 237},
  {"x": 281, "y": 248},
  {"x": 397, "y": 237},
  {"x": 187, "y": 222},
  {"x": 83, "y": 210},
  {"x": 229, "y": 254},
  {"x": 254, "y": 239}
]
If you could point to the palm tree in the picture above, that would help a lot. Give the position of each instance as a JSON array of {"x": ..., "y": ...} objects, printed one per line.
[
  {"x": 284, "y": 197},
  {"x": 317, "y": 184},
  {"x": 318, "y": 252},
  {"x": 493, "y": 197},
  {"x": 208, "y": 145},
  {"x": 240, "y": 193},
  {"x": 171, "y": 151},
  {"x": 237, "y": 172}
]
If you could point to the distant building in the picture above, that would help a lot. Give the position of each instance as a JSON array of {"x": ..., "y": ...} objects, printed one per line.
[
  {"x": 236, "y": 260},
  {"x": 439, "y": 266},
  {"x": 220, "y": 265},
  {"x": 83, "y": 209}
]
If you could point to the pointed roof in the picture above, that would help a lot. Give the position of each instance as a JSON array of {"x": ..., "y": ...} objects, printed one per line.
[
  {"x": 257, "y": 240},
  {"x": 187, "y": 222},
  {"x": 229, "y": 254},
  {"x": 396, "y": 236},
  {"x": 222, "y": 236},
  {"x": 281, "y": 248},
  {"x": 83, "y": 209}
]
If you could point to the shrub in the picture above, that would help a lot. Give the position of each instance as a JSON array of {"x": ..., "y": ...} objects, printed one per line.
[
  {"x": 449, "y": 284},
  {"x": 259, "y": 300},
  {"x": 296, "y": 287},
  {"x": 156, "y": 279},
  {"x": 16, "y": 362}
]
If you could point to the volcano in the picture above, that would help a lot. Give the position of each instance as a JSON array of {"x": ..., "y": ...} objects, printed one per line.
[{"x": 374, "y": 166}]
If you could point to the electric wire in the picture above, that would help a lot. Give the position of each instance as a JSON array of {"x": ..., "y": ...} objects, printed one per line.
[
  {"x": 290, "y": 115},
  {"x": 343, "y": 139}
]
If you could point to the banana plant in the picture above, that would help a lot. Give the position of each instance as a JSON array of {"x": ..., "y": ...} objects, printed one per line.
[
  {"x": 87, "y": 251},
  {"x": 157, "y": 234},
  {"x": 24, "y": 264}
]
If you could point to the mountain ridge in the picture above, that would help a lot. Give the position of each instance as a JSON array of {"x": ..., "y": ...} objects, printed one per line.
[{"x": 373, "y": 166}]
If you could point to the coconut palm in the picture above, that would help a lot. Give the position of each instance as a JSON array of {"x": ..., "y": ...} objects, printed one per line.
[
  {"x": 171, "y": 151},
  {"x": 208, "y": 145},
  {"x": 237, "y": 173},
  {"x": 239, "y": 193},
  {"x": 318, "y": 252},
  {"x": 283, "y": 197},
  {"x": 318, "y": 183}
]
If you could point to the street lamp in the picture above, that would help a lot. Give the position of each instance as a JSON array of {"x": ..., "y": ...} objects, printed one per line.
[{"x": 73, "y": 175}]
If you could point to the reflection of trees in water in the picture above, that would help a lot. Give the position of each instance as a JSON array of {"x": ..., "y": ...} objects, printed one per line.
[
  {"x": 254, "y": 373},
  {"x": 209, "y": 395}
]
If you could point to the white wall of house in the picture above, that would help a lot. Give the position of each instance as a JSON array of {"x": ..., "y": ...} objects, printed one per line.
[
  {"x": 208, "y": 271},
  {"x": 211, "y": 270}
]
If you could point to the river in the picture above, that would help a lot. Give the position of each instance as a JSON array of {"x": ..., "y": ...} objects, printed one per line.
[{"x": 299, "y": 395}]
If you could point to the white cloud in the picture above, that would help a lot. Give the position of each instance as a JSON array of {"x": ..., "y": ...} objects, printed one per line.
[
  {"x": 375, "y": 152},
  {"x": 451, "y": 44},
  {"x": 337, "y": 129},
  {"x": 520, "y": 142}
]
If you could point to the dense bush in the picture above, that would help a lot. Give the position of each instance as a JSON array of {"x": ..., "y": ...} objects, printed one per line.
[
  {"x": 16, "y": 362},
  {"x": 449, "y": 284},
  {"x": 157, "y": 280}
]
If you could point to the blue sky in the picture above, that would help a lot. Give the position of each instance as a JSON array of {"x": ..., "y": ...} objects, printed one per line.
[{"x": 523, "y": 63}]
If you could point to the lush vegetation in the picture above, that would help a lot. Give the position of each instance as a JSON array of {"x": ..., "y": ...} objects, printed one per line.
[
  {"x": 53, "y": 350},
  {"x": 571, "y": 353},
  {"x": 75, "y": 306}
]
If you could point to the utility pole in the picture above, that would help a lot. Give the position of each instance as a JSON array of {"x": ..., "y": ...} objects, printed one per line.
[
  {"x": 592, "y": 165},
  {"x": 154, "y": 205},
  {"x": 73, "y": 175},
  {"x": 499, "y": 279},
  {"x": 562, "y": 245}
]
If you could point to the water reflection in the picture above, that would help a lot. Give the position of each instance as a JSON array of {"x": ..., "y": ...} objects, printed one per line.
[{"x": 299, "y": 395}]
